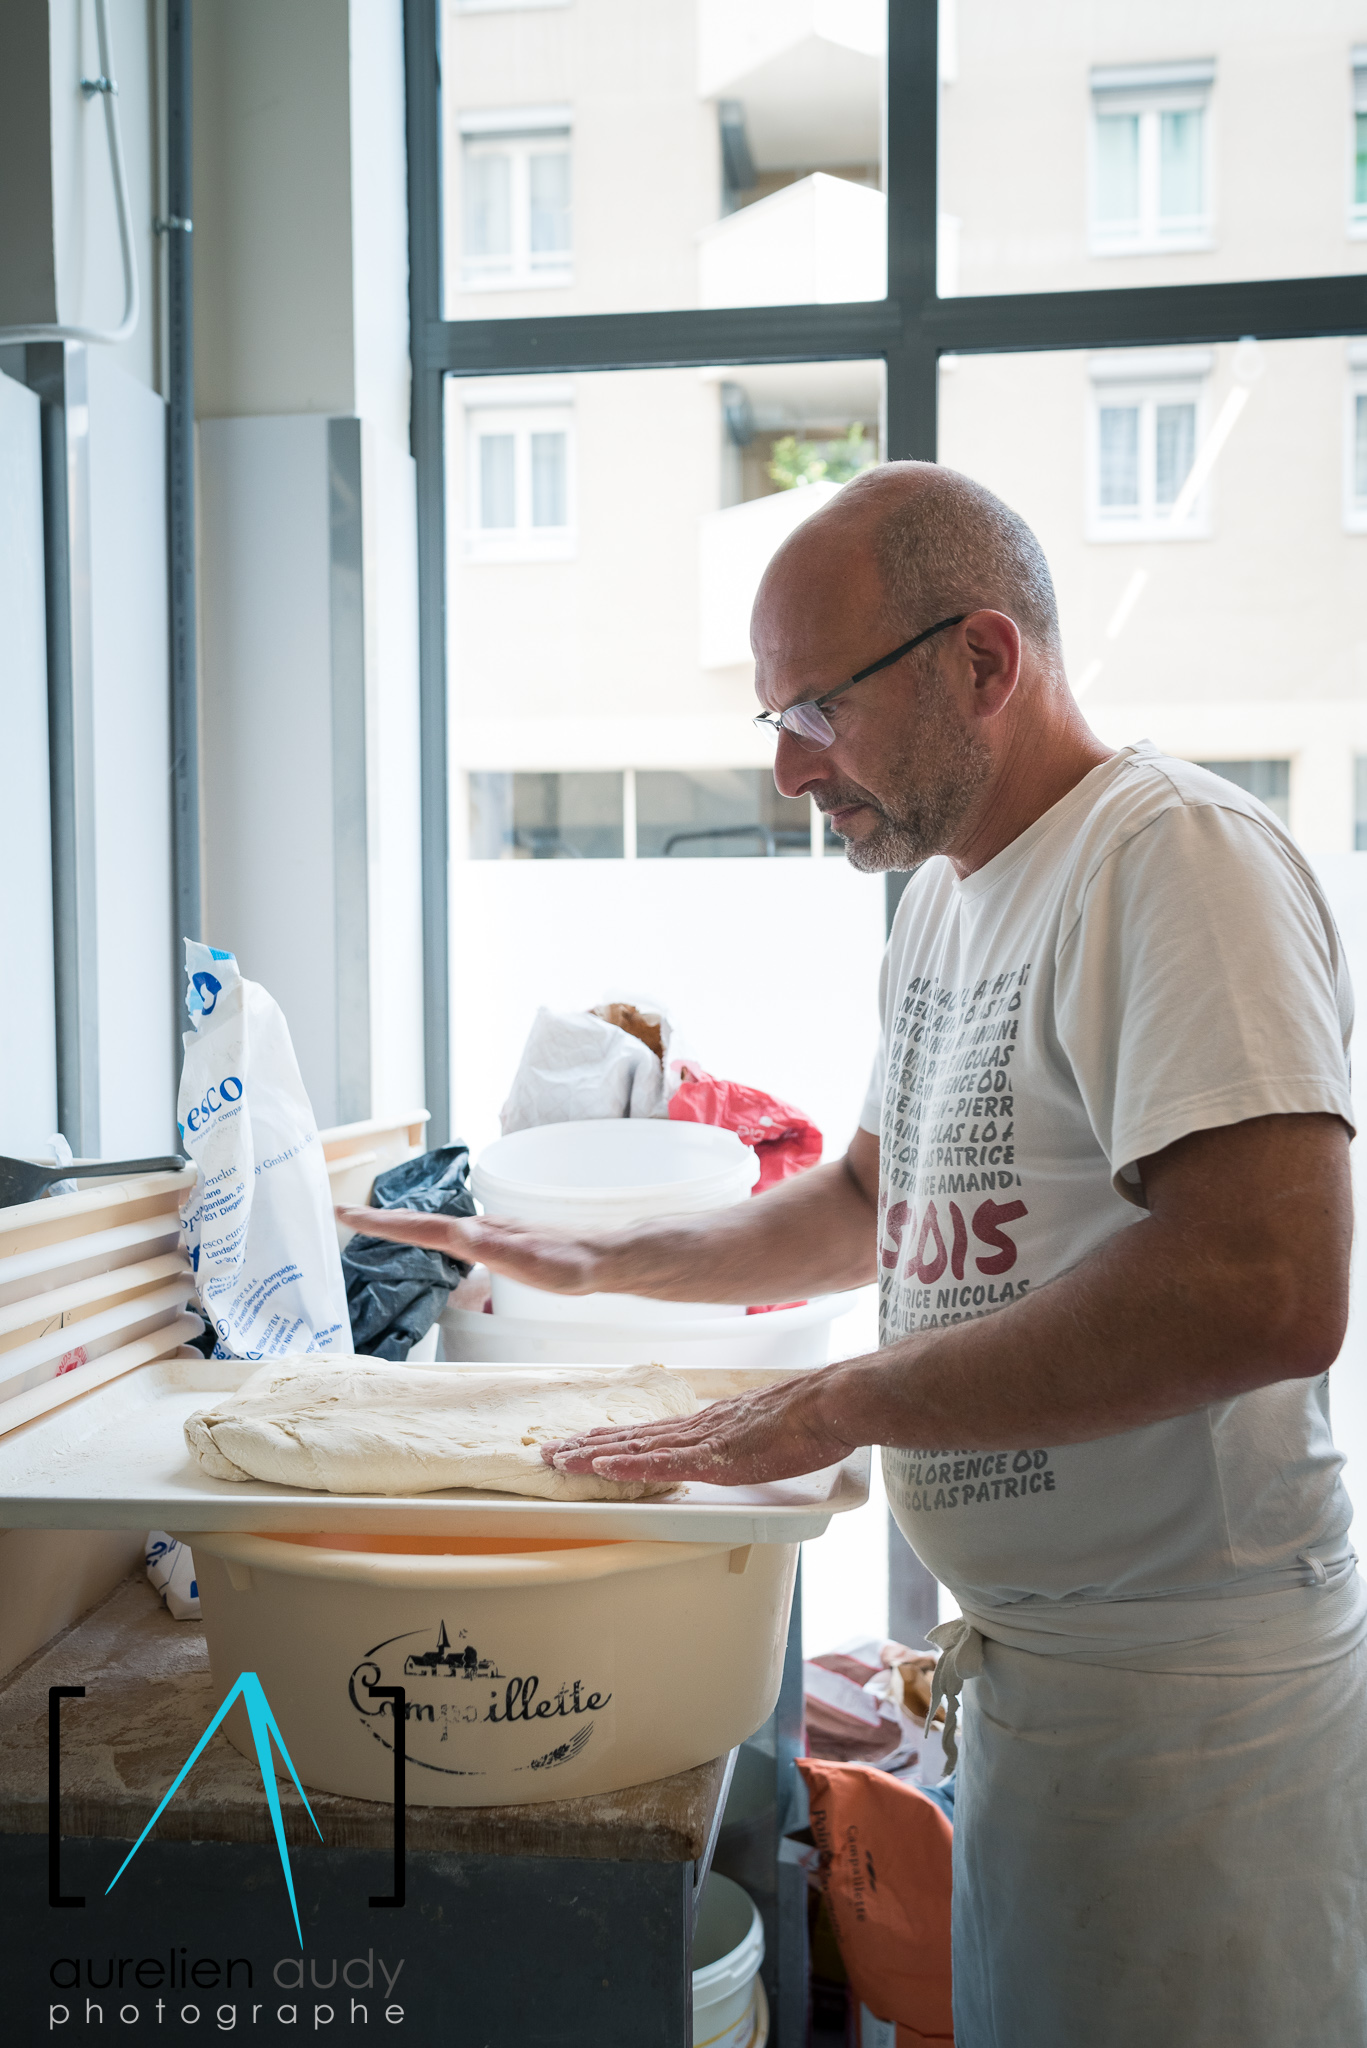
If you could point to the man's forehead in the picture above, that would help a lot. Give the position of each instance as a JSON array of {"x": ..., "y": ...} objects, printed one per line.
[
  {"x": 797, "y": 674},
  {"x": 813, "y": 618}
]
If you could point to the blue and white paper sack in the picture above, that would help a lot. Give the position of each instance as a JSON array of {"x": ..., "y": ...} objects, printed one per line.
[{"x": 258, "y": 1224}]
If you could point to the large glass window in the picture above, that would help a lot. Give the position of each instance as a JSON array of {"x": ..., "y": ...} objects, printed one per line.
[
  {"x": 1178, "y": 142},
  {"x": 719, "y": 153},
  {"x": 613, "y": 487},
  {"x": 1209, "y": 635}
]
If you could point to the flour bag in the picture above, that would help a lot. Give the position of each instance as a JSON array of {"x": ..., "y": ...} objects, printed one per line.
[{"x": 258, "y": 1223}]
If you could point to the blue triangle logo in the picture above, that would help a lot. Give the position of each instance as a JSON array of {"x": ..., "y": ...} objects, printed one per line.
[{"x": 265, "y": 1729}]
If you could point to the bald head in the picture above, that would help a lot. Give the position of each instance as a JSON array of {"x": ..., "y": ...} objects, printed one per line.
[
  {"x": 949, "y": 745},
  {"x": 940, "y": 544}
]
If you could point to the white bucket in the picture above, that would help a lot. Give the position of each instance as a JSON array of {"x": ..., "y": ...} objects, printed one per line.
[
  {"x": 787, "y": 1338},
  {"x": 606, "y": 1174},
  {"x": 728, "y": 1948},
  {"x": 534, "y": 1668}
]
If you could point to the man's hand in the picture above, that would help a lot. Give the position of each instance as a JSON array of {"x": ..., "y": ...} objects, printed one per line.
[
  {"x": 773, "y": 1433},
  {"x": 552, "y": 1259},
  {"x": 814, "y": 1234}
]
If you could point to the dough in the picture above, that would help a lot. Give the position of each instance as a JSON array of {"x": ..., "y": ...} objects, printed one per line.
[{"x": 361, "y": 1425}]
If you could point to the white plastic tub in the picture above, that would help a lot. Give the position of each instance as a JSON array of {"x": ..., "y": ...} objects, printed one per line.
[
  {"x": 784, "y": 1339},
  {"x": 606, "y": 1174},
  {"x": 728, "y": 1948},
  {"x": 534, "y": 1669}
]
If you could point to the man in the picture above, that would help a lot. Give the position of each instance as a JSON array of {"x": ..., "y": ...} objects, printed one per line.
[{"x": 1102, "y": 1177}]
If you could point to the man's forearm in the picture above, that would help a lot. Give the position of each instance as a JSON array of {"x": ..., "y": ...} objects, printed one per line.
[
  {"x": 811, "y": 1235},
  {"x": 1148, "y": 1327}
]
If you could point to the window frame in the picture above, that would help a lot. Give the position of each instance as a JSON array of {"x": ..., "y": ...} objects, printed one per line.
[
  {"x": 1355, "y": 394},
  {"x": 523, "y": 541},
  {"x": 1183, "y": 379},
  {"x": 1149, "y": 237},
  {"x": 1357, "y": 111},
  {"x": 910, "y": 329},
  {"x": 516, "y": 133}
]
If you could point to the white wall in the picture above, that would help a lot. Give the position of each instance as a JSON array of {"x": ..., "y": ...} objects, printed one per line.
[
  {"x": 28, "y": 1053},
  {"x": 769, "y": 967},
  {"x": 266, "y": 740},
  {"x": 301, "y": 309},
  {"x": 132, "y": 754},
  {"x": 274, "y": 291}
]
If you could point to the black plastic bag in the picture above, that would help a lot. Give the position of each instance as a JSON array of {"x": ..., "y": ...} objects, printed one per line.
[{"x": 395, "y": 1292}]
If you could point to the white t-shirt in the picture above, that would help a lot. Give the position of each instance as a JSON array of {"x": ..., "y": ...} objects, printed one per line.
[{"x": 1151, "y": 957}]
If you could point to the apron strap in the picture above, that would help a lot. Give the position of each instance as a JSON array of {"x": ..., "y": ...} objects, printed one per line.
[{"x": 961, "y": 1657}]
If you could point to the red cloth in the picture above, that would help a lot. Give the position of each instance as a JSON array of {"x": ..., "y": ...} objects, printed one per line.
[
  {"x": 786, "y": 1141},
  {"x": 885, "y": 1870}
]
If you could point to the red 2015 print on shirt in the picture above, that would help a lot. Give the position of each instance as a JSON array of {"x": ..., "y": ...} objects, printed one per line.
[{"x": 927, "y": 1262}]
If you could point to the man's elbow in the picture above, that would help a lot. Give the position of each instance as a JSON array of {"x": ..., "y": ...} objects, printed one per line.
[{"x": 1300, "y": 1318}]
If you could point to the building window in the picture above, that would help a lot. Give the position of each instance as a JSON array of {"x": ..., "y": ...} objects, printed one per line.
[
  {"x": 645, "y": 813},
  {"x": 515, "y": 192},
  {"x": 719, "y": 813},
  {"x": 1357, "y": 203},
  {"x": 1269, "y": 781},
  {"x": 1151, "y": 157},
  {"x": 1145, "y": 430},
  {"x": 520, "y": 484},
  {"x": 557, "y": 816},
  {"x": 1355, "y": 450}
]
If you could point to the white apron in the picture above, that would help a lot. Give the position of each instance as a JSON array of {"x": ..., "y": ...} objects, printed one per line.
[{"x": 1160, "y": 1834}]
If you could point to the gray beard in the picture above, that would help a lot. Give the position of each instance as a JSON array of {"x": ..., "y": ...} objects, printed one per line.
[{"x": 923, "y": 821}]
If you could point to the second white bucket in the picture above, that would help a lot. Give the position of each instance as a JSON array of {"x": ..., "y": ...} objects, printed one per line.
[
  {"x": 728, "y": 1948},
  {"x": 606, "y": 1174}
]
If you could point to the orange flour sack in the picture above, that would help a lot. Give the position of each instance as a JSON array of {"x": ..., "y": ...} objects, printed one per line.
[{"x": 885, "y": 1870}]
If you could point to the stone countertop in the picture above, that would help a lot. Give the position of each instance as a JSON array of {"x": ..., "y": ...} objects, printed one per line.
[{"x": 150, "y": 1698}]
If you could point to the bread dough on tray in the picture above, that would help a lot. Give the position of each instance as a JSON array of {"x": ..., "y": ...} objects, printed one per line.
[{"x": 364, "y": 1425}]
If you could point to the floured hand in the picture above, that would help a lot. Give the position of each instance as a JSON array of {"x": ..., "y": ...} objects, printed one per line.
[{"x": 772, "y": 1433}]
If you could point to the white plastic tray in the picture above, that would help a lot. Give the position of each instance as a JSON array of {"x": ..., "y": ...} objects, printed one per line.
[{"x": 116, "y": 1459}]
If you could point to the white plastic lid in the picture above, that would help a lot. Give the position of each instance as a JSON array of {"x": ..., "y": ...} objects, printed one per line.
[{"x": 613, "y": 1169}]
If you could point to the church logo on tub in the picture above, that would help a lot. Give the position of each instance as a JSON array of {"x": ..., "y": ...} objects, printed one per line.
[{"x": 466, "y": 1713}]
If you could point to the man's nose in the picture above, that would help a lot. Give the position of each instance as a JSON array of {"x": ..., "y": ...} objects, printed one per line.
[{"x": 796, "y": 769}]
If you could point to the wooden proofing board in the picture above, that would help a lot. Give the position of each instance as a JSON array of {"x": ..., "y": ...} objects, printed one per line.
[{"x": 117, "y": 1458}]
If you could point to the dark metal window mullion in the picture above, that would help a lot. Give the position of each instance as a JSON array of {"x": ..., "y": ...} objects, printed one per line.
[
  {"x": 422, "y": 62},
  {"x": 912, "y": 401}
]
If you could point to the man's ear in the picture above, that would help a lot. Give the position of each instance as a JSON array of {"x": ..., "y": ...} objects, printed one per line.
[{"x": 993, "y": 641}]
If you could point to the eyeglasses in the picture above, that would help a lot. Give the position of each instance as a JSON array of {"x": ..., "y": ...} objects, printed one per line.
[{"x": 808, "y": 723}]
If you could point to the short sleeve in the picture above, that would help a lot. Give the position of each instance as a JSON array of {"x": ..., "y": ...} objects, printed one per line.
[{"x": 1201, "y": 982}]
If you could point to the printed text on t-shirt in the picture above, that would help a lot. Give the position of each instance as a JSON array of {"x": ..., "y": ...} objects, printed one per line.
[{"x": 948, "y": 1145}]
